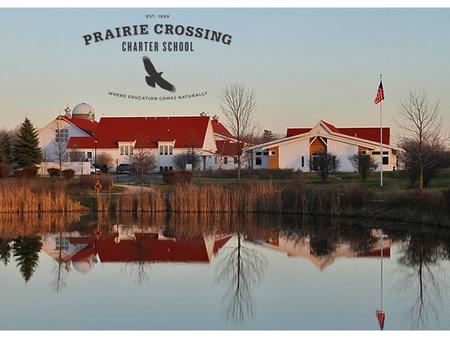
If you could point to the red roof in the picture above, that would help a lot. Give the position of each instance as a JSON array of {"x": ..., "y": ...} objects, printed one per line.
[
  {"x": 147, "y": 247},
  {"x": 366, "y": 133},
  {"x": 186, "y": 131},
  {"x": 220, "y": 129},
  {"x": 228, "y": 148},
  {"x": 76, "y": 142},
  {"x": 297, "y": 131},
  {"x": 87, "y": 126}
]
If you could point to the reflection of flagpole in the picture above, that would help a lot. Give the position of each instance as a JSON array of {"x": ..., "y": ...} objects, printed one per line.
[
  {"x": 382, "y": 249},
  {"x": 380, "y": 313},
  {"x": 381, "y": 140}
]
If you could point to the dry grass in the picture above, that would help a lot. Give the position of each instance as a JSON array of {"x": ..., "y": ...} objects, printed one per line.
[
  {"x": 247, "y": 198},
  {"x": 24, "y": 196}
]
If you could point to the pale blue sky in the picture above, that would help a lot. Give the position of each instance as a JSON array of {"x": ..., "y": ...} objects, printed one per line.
[{"x": 303, "y": 64}]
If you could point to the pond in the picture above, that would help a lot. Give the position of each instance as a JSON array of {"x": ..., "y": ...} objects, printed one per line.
[{"x": 221, "y": 272}]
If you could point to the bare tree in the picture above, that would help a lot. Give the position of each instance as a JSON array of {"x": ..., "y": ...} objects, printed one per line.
[
  {"x": 142, "y": 160},
  {"x": 325, "y": 163},
  {"x": 239, "y": 106},
  {"x": 60, "y": 146},
  {"x": 104, "y": 161},
  {"x": 190, "y": 156},
  {"x": 423, "y": 133},
  {"x": 364, "y": 164}
]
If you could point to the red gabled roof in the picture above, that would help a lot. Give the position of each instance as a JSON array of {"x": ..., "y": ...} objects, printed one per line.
[
  {"x": 220, "y": 129},
  {"x": 366, "y": 133},
  {"x": 186, "y": 131},
  {"x": 87, "y": 126},
  {"x": 228, "y": 148}
]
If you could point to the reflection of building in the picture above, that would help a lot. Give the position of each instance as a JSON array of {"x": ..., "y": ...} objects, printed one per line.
[
  {"x": 65, "y": 248},
  {"x": 153, "y": 247},
  {"x": 319, "y": 255}
]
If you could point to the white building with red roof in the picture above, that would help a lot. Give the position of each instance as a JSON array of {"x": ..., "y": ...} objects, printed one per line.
[
  {"x": 118, "y": 137},
  {"x": 300, "y": 147}
]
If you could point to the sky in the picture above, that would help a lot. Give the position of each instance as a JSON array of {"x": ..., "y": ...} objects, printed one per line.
[{"x": 302, "y": 64}]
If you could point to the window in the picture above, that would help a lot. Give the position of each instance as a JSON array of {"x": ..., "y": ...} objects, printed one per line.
[
  {"x": 215, "y": 159},
  {"x": 225, "y": 160},
  {"x": 61, "y": 135},
  {"x": 258, "y": 153},
  {"x": 385, "y": 160},
  {"x": 62, "y": 243},
  {"x": 363, "y": 152},
  {"x": 273, "y": 153},
  {"x": 303, "y": 161},
  {"x": 161, "y": 168},
  {"x": 266, "y": 152},
  {"x": 258, "y": 161},
  {"x": 126, "y": 150},
  {"x": 89, "y": 154},
  {"x": 235, "y": 160},
  {"x": 170, "y": 168},
  {"x": 166, "y": 150}
]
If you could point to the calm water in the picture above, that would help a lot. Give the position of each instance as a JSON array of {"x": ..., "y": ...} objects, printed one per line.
[{"x": 205, "y": 272}]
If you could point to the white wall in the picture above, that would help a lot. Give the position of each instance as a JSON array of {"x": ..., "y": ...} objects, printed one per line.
[
  {"x": 47, "y": 136},
  {"x": 343, "y": 151},
  {"x": 290, "y": 155}
]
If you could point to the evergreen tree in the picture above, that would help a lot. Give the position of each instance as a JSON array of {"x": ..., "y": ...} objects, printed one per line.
[
  {"x": 26, "y": 252},
  {"x": 5, "y": 148},
  {"x": 26, "y": 151},
  {"x": 5, "y": 250}
]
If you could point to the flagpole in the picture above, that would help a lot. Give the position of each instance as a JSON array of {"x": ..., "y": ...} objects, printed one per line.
[{"x": 381, "y": 140}]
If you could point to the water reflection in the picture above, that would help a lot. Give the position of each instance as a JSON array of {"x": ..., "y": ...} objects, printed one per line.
[
  {"x": 241, "y": 269},
  {"x": 237, "y": 247},
  {"x": 420, "y": 283}
]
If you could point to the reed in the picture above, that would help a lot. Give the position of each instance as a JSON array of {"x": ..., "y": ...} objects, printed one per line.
[
  {"x": 247, "y": 198},
  {"x": 34, "y": 196}
]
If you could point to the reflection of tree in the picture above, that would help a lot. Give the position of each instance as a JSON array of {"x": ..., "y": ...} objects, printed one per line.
[
  {"x": 26, "y": 250},
  {"x": 420, "y": 255},
  {"x": 60, "y": 270},
  {"x": 5, "y": 250},
  {"x": 140, "y": 266},
  {"x": 240, "y": 269}
]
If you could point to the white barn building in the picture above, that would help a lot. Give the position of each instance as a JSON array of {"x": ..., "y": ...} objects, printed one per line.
[
  {"x": 300, "y": 146},
  {"x": 82, "y": 138}
]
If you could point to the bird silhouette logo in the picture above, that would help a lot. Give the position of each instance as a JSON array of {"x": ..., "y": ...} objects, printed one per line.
[{"x": 154, "y": 77}]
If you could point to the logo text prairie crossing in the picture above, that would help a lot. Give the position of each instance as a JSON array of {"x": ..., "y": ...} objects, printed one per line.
[{"x": 158, "y": 30}]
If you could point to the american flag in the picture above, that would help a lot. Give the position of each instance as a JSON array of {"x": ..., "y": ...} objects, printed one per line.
[{"x": 380, "y": 94}]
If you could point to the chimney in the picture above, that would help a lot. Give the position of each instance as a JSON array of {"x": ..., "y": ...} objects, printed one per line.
[{"x": 215, "y": 117}]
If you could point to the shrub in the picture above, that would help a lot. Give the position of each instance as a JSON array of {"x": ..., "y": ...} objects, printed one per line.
[
  {"x": 425, "y": 200},
  {"x": 54, "y": 172},
  {"x": 179, "y": 176},
  {"x": 104, "y": 162},
  {"x": 26, "y": 172},
  {"x": 68, "y": 173},
  {"x": 5, "y": 169}
]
